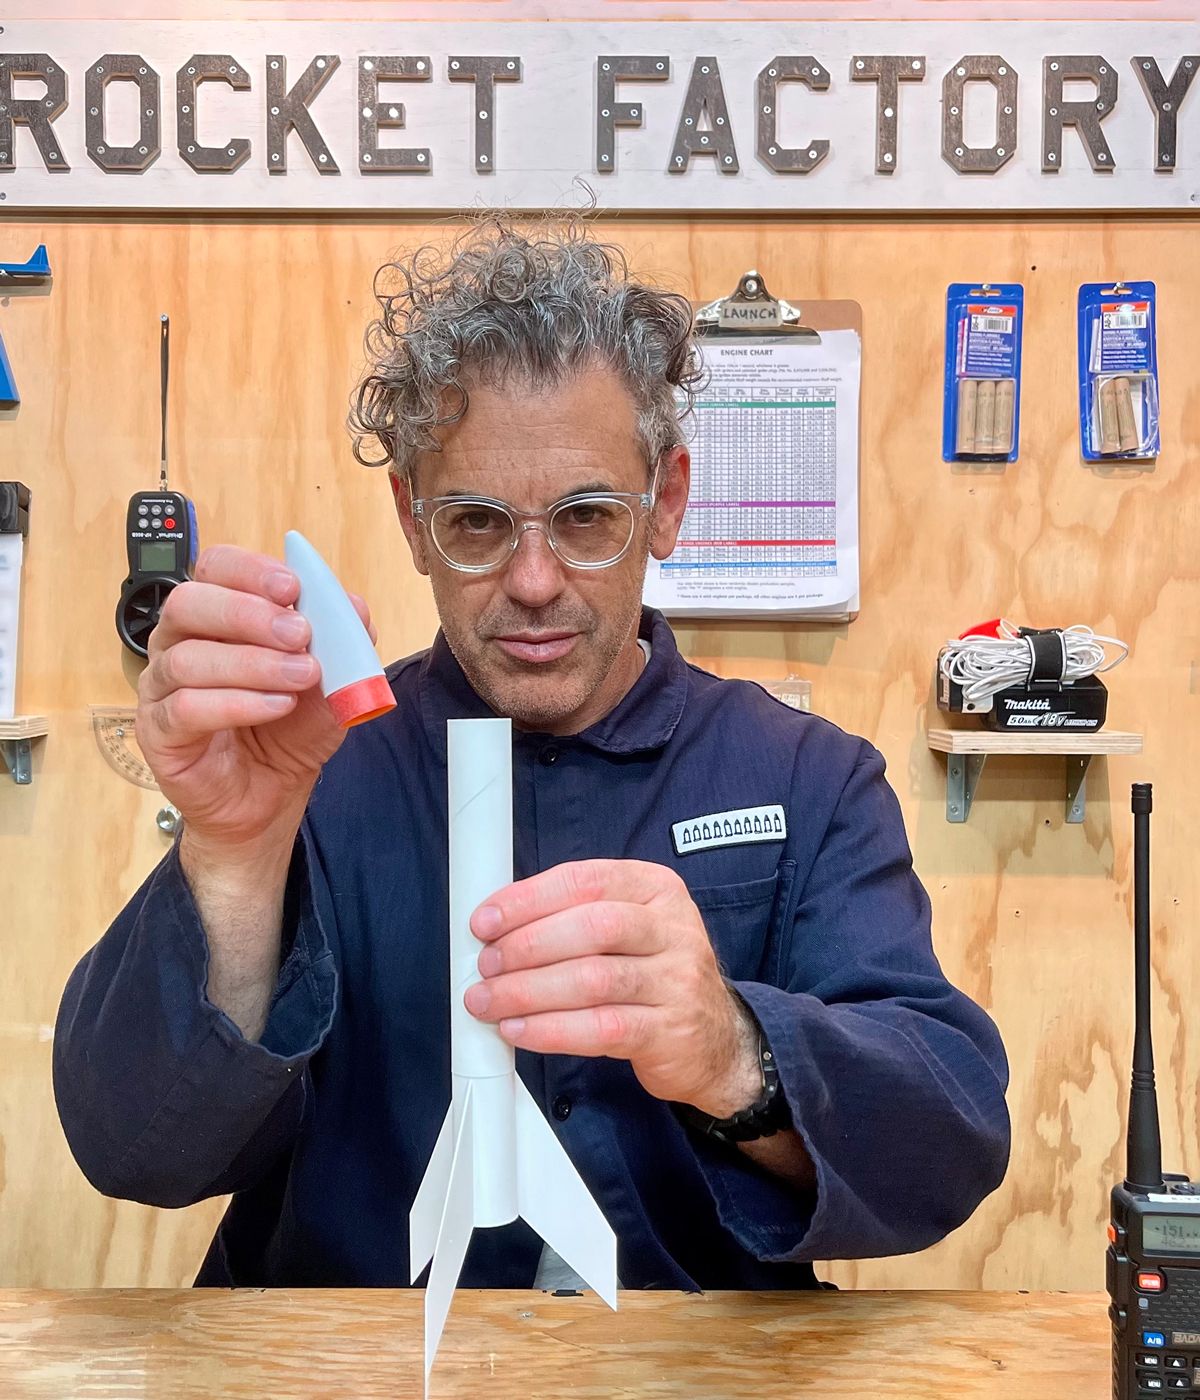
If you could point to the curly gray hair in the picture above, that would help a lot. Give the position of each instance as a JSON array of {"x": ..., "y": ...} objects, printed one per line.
[{"x": 500, "y": 306}]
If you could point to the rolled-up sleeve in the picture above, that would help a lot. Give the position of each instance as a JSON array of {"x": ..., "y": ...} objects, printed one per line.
[
  {"x": 161, "y": 1097},
  {"x": 895, "y": 1078}
]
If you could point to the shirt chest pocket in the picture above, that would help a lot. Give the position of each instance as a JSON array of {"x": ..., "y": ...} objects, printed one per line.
[{"x": 747, "y": 923}]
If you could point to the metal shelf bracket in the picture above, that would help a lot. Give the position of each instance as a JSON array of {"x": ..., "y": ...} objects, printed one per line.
[
  {"x": 18, "y": 759},
  {"x": 962, "y": 778},
  {"x": 1077, "y": 767}
]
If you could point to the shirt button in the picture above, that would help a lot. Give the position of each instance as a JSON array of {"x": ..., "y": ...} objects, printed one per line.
[
  {"x": 548, "y": 757},
  {"x": 561, "y": 1108}
]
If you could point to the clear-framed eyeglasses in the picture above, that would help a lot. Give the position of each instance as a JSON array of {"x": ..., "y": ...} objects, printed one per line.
[{"x": 476, "y": 534}]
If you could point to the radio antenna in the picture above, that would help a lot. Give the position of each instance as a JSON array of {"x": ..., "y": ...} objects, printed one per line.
[
  {"x": 165, "y": 370},
  {"x": 1143, "y": 1148}
]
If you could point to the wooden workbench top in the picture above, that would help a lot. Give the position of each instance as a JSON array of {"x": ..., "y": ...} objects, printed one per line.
[{"x": 234, "y": 1343}]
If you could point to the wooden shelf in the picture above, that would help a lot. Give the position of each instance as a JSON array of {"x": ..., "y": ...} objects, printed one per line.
[
  {"x": 16, "y": 744},
  {"x": 969, "y": 750},
  {"x": 997, "y": 741}
]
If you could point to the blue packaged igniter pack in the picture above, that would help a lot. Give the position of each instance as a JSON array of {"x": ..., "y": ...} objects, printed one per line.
[
  {"x": 1118, "y": 370},
  {"x": 981, "y": 405}
]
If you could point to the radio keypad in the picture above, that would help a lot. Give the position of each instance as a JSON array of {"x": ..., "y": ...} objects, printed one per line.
[{"x": 1170, "y": 1374}]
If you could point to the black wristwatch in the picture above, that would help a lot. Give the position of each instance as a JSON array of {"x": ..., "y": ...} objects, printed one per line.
[{"x": 766, "y": 1116}]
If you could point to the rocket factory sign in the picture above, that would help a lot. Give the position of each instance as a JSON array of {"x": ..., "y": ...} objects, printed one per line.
[{"x": 415, "y": 117}]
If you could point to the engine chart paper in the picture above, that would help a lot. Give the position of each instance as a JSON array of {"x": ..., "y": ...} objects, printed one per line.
[{"x": 771, "y": 527}]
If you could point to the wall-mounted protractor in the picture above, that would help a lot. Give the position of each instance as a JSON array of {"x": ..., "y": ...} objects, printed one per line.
[{"x": 113, "y": 726}]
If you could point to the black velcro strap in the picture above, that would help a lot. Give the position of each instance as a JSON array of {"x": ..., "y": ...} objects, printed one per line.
[{"x": 1048, "y": 657}]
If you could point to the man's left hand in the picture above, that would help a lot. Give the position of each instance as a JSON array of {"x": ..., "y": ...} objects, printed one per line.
[{"x": 611, "y": 957}]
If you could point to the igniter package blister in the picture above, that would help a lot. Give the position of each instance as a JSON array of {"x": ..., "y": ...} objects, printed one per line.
[
  {"x": 1118, "y": 371},
  {"x": 981, "y": 403}
]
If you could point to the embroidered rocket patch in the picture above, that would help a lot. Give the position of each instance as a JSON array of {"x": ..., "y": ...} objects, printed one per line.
[{"x": 737, "y": 828}]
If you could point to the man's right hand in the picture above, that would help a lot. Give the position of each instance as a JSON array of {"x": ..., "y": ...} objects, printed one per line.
[{"x": 230, "y": 716}]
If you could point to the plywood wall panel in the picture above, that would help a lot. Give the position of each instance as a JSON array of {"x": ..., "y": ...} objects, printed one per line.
[{"x": 1031, "y": 915}]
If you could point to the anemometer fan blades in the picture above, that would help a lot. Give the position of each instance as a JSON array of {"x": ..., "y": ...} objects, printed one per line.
[{"x": 138, "y": 612}]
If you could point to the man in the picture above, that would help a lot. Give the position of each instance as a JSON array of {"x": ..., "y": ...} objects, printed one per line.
[{"x": 745, "y": 1042}]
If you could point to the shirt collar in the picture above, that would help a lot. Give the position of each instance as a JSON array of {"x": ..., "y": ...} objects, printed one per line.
[{"x": 645, "y": 718}]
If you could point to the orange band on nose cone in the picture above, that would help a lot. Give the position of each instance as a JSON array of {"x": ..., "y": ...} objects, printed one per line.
[{"x": 362, "y": 700}]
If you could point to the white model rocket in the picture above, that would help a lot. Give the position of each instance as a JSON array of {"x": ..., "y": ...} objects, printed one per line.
[
  {"x": 496, "y": 1156},
  {"x": 352, "y": 679}
]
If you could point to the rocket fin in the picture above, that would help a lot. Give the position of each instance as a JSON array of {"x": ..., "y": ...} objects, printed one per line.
[
  {"x": 426, "y": 1214},
  {"x": 553, "y": 1199},
  {"x": 454, "y": 1235}
]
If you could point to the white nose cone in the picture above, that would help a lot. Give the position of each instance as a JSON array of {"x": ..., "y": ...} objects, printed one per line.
[{"x": 352, "y": 679}]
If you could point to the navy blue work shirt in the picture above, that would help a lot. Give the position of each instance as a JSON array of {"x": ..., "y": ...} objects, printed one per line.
[{"x": 323, "y": 1128}]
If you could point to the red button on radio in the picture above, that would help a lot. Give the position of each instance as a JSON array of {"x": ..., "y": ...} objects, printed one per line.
[
  {"x": 1149, "y": 1282},
  {"x": 169, "y": 523}
]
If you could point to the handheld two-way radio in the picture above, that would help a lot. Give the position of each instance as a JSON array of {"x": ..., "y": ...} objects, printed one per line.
[
  {"x": 160, "y": 540},
  {"x": 1153, "y": 1263}
]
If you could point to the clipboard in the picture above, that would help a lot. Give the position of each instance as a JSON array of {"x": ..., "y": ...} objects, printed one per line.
[
  {"x": 750, "y": 309},
  {"x": 771, "y": 530}
]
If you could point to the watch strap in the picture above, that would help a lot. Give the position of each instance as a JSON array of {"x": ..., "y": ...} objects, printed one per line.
[{"x": 766, "y": 1116}]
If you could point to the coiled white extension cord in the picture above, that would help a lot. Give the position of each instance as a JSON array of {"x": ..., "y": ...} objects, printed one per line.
[{"x": 984, "y": 665}]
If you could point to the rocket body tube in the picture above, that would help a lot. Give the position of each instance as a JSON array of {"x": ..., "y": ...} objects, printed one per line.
[
  {"x": 479, "y": 764},
  {"x": 496, "y": 1156}
]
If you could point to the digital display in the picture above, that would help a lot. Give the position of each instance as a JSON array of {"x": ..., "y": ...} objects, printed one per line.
[
  {"x": 156, "y": 557},
  {"x": 1171, "y": 1234}
]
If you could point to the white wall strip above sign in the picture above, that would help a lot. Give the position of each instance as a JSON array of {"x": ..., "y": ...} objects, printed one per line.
[
  {"x": 328, "y": 116},
  {"x": 606, "y": 11}
]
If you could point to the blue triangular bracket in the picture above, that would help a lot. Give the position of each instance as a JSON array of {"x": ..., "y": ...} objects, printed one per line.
[
  {"x": 9, "y": 398},
  {"x": 33, "y": 270},
  {"x": 36, "y": 269}
]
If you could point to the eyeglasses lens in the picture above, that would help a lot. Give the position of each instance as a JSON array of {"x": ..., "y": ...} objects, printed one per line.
[{"x": 475, "y": 535}]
